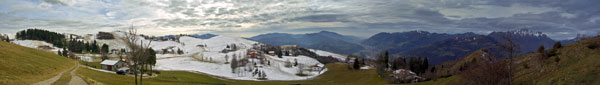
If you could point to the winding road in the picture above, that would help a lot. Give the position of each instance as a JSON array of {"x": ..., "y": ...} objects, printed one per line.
[{"x": 75, "y": 80}]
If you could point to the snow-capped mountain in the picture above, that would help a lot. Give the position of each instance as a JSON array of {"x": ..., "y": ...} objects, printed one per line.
[{"x": 528, "y": 40}]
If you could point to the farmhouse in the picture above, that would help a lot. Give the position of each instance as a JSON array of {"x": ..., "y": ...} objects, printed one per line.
[
  {"x": 112, "y": 65},
  {"x": 272, "y": 53},
  {"x": 289, "y": 47}
]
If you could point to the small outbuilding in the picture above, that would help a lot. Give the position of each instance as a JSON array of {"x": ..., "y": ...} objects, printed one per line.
[{"x": 112, "y": 65}]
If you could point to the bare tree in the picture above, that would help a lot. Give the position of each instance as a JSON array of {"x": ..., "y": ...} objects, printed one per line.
[
  {"x": 137, "y": 53},
  {"x": 510, "y": 47},
  {"x": 234, "y": 64},
  {"x": 300, "y": 69}
]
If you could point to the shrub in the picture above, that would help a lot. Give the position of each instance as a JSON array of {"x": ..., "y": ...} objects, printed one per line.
[{"x": 593, "y": 46}]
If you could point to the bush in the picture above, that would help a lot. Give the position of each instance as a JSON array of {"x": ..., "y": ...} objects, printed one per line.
[
  {"x": 593, "y": 46},
  {"x": 525, "y": 65}
]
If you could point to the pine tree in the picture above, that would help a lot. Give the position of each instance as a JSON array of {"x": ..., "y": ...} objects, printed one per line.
[
  {"x": 295, "y": 62},
  {"x": 151, "y": 59},
  {"x": 95, "y": 48},
  {"x": 179, "y": 51},
  {"x": 557, "y": 45},
  {"x": 541, "y": 49},
  {"x": 386, "y": 59},
  {"x": 425, "y": 65},
  {"x": 356, "y": 64},
  {"x": 64, "y": 53},
  {"x": 105, "y": 48},
  {"x": 279, "y": 54}
]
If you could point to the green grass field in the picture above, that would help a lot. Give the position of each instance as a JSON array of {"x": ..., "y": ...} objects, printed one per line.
[
  {"x": 22, "y": 65},
  {"x": 337, "y": 74}
]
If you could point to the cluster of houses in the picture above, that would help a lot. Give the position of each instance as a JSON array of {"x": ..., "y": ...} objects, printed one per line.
[{"x": 287, "y": 50}]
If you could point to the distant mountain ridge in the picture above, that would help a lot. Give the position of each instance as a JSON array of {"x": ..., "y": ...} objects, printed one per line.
[
  {"x": 324, "y": 40},
  {"x": 452, "y": 48},
  {"x": 398, "y": 42},
  {"x": 203, "y": 36},
  {"x": 528, "y": 40},
  {"x": 439, "y": 47}
]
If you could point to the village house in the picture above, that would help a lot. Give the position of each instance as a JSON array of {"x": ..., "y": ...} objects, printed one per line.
[
  {"x": 289, "y": 47},
  {"x": 253, "y": 54},
  {"x": 112, "y": 65},
  {"x": 317, "y": 67},
  {"x": 272, "y": 53}
]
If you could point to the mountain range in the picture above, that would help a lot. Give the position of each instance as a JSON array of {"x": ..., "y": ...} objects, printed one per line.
[
  {"x": 324, "y": 40},
  {"x": 439, "y": 47}
]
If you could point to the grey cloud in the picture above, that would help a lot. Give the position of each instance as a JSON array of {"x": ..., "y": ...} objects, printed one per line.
[
  {"x": 322, "y": 18},
  {"x": 58, "y": 2},
  {"x": 374, "y": 15},
  {"x": 190, "y": 13}
]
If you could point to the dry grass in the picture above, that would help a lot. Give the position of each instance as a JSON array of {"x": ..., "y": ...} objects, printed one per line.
[{"x": 22, "y": 65}]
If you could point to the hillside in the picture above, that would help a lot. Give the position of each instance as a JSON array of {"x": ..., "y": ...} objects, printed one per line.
[
  {"x": 528, "y": 40},
  {"x": 575, "y": 63},
  {"x": 22, "y": 65},
  {"x": 456, "y": 66},
  {"x": 452, "y": 48}
]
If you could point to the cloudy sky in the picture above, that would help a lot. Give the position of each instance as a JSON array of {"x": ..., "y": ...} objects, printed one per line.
[{"x": 560, "y": 19}]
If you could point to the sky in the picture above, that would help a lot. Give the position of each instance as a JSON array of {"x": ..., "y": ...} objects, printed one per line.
[{"x": 559, "y": 19}]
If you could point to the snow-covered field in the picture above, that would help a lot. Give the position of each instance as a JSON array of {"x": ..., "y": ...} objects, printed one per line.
[
  {"x": 325, "y": 53},
  {"x": 275, "y": 71},
  {"x": 31, "y": 43},
  {"x": 210, "y": 60},
  {"x": 34, "y": 44}
]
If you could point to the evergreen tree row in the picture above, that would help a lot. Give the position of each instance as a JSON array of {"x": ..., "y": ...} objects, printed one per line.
[
  {"x": 418, "y": 65},
  {"x": 58, "y": 40},
  {"x": 43, "y": 35}
]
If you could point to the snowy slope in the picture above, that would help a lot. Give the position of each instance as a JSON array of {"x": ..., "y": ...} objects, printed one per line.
[
  {"x": 32, "y": 43},
  {"x": 325, "y": 53},
  {"x": 210, "y": 60},
  {"x": 274, "y": 71}
]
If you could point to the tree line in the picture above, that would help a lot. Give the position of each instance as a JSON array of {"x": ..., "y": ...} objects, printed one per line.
[
  {"x": 60, "y": 41},
  {"x": 39, "y": 34},
  {"x": 386, "y": 65},
  {"x": 4, "y": 37}
]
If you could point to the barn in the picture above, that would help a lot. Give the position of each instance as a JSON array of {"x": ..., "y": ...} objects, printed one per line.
[{"x": 112, "y": 65}]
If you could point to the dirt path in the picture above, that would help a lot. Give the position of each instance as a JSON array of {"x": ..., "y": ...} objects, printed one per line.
[
  {"x": 76, "y": 80},
  {"x": 53, "y": 79}
]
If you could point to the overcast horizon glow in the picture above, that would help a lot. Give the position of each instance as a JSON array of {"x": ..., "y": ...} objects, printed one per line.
[{"x": 558, "y": 19}]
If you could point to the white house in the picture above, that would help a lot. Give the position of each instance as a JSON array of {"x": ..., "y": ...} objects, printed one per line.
[{"x": 112, "y": 65}]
